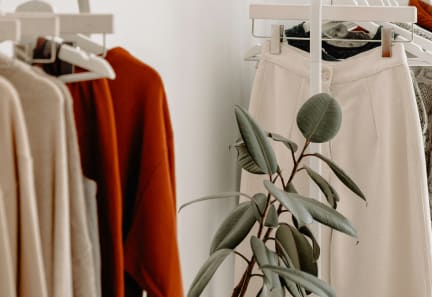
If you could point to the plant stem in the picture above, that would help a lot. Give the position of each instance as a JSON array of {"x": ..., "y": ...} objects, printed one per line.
[
  {"x": 241, "y": 288},
  {"x": 296, "y": 163},
  {"x": 242, "y": 256}
]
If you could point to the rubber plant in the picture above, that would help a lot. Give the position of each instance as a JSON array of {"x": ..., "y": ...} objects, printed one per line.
[{"x": 285, "y": 251}]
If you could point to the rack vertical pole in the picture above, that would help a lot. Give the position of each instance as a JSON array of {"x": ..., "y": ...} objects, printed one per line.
[{"x": 315, "y": 87}]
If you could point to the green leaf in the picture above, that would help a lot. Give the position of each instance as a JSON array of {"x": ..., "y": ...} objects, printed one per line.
[
  {"x": 216, "y": 196},
  {"x": 290, "y": 188},
  {"x": 207, "y": 271},
  {"x": 307, "y": 281},
  {"x": 315, "y": 246},
  {"x": 277, "y": 285},
  {"x": 324, "y": 186},
  {"x": 272, "y": 219},
  {"x": 296, "y": 209},
  {"x": 298, "y": 248},
  {"x": 278, "y": 292},
  {"x": 264, "y": 256},
  {"x": 261, "y": 256},
  {"x": 325, "y": 215},
  {"x": 283, "y": 254},
  {"x": 264, "y": 292},
  {"x": 344, "y": 178},
  {"x": 245, "y": 160},
  {"x": 291, "y": 287},
  {"x": 261, "y": 201},
  {"x": 288, "y": 143},
  {"x": 256, "y": 141},
  {"x": 320, "y": 117},
  {"x": 234, "y": 228}
]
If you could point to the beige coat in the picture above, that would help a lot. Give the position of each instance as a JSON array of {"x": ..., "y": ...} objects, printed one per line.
[
  {"x": 20, "y": 229},
  {"x": 43, "y": 107},
  {"x": 85, "y": 278}
]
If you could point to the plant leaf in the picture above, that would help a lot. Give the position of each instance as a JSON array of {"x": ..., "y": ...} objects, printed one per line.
[
  {"x": 261, "y": 201},
  {"x": 307, "y": 281},
  {"x": 315, "y": 246},
  {"x": 272, "y": 219},
  {"x": 291, "y": 286},
  {"x": 245, "y": 160},
  {"x": 261, "y": 256},
  {"x": 234, "y": 228},
  {"x": 274, "y": 260},
  {"x": 288, "y": 143},
  {"x": 325, "y": 215},
  {"x": 324, "y": 186},
  {"x": 278, "y": 292},
  {"x": 256, "y": 141},
  {"x": 264, "y": 256},
  {"x": 344, "y": 178},
  {"x": 290, "y": 188},
  {"x": 216, "y": 196},
  {"x": 320, "y": 117},
  {"x": 207, "y": 271},
  {"x": 264, "y": 292},
  {"x": 296, "y": 209},
  {"x": 298, "y": 248}
]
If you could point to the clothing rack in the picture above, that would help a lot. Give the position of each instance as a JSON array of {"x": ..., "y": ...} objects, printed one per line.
[{"x": 316, "y": 13}]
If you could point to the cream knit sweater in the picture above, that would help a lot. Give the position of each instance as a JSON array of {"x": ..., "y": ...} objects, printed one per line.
[
  {"x": 21, "y": 263},
  {"x": 86, "y": 278},
  {"x": 43, "y": 107}
]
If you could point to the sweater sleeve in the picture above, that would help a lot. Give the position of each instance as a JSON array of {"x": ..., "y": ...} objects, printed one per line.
[{"x": 151, "y": 252}]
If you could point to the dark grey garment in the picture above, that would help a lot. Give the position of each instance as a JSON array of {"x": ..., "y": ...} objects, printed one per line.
[
  {"x": 330, "y": 52},
  {"x": 341, "y": 30}
]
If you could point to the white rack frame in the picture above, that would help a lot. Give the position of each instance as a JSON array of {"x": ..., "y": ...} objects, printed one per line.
[{"x": 315, "y": 13}]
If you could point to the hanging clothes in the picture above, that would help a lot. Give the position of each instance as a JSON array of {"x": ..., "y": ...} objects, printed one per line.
[
  {"x": 380, "y": 128},
  {"x": 336, "y": 51},
  {"x": 97, "y": 138},
  {"x": 43, "y": 107},
  {"x": 138, "y": 123},
  {"x": 146, "y": 157},
  {"x": 24, "y": 265},
  {"x": 423, "y": 78},
  {"x": 331, "y": 51},
  {"x": 90, "y": 192},
  {"x": 7, "y": 271},
  {"x": 85, "y": 279}
]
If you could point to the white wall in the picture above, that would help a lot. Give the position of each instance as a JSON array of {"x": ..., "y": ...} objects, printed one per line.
[{"x": 197, "y": 47}]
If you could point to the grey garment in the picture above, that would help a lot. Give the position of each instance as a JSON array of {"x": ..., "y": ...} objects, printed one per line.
[
  {"x": 90, "y": 190},
  {"x": 340, "y": 30},
  {"x": 417, "y": 30},
  {"x": 423, "y": 78},
  {"x": 420, "y": 105}
]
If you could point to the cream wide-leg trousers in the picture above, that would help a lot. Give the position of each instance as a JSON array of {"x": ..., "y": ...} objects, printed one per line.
[{"x": 379, "y": 146}]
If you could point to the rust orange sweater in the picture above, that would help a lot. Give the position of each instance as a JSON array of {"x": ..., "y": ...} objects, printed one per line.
[
  {"x": 146, "y": 158},
  {"x": 94, "y": 115},
  {"x": 424, "y": 13}
]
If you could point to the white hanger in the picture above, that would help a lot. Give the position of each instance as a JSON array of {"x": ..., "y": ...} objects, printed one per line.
[
  {"x": 97, "y": 67},
  {"x": 419, "y": 47},
  {"x": 86, "y": 44}
]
